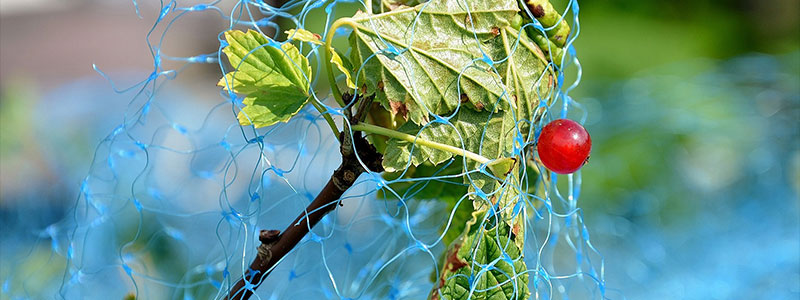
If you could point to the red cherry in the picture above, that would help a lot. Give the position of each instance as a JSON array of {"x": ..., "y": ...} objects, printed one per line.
[{"x": 564, "y": 146}]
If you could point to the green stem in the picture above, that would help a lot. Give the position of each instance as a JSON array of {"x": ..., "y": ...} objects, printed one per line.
[
  {"x": 419, "y": 141},
  {"x": 321, "y": 109},
  {"x": 337, "y": 95}
]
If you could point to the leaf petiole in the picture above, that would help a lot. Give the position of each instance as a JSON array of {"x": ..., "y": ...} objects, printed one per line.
[
  {"x": 337, "y": 95},
  {"x": 419, "y": 141},
  {"x": 321, "y": 109}
]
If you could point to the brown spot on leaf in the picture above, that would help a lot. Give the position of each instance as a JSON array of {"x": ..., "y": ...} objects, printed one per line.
[
  {"x": 435, "y": 294},
  {"x": 495, "y": 31},
  {"x": 516, "y": 228},
  {"x": 399, "y": 108},
  {"x": 452, "y": 264},
  {"x": 467, "y": 21},
  {"x": 455, "y": 263},
  {"x": 479, "y": 106},
  {"x": 317, "y": 36},
  {"x": 464, "y": 98},
  {"x": 380, "y": 85},
  {"x": 537, "y": 11}
]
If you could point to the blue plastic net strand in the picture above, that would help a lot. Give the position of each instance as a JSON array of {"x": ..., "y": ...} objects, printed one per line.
[{"x": 178, "y": 191}]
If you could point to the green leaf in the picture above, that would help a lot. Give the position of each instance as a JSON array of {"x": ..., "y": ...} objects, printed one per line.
[
  {"x": 449, "y": 187},
  {"x": 267, "y": 108},
  {"x": 303, "y": 35},
  {"x": 274, "y": 77},
  {"x": 502, "y": 166},
  {"x": 431, "y": 58},
  {"x": 486, "y": 262},
  {"x": 486, "y": 133},
  {"x": 344, "y": 66}
]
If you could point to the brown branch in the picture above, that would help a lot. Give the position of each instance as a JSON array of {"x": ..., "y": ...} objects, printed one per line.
[{"x": 275, "y": 245}]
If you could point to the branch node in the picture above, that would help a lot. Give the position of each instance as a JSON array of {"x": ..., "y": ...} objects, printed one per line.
[{"x": 268, "y": 236}]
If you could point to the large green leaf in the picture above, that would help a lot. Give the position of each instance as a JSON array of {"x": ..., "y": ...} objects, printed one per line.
[
  {"x": 442, "y": 53},
  {"x": 274, "y": 77},
  {"x": 486, "y": 133},
  {"x": 433, "y": 50},
  {"x": 490, "y": 134}
]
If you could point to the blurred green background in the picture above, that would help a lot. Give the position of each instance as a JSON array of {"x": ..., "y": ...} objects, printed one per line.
[
  {"x": 693, "y": 106},
  {"x": 620, "y": 38}
]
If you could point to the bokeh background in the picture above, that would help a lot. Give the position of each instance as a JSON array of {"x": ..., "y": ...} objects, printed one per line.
[{"x": 693, "y": 106}]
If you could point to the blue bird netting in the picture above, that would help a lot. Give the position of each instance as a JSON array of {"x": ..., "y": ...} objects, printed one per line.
[{"x": 172, "y": 205}]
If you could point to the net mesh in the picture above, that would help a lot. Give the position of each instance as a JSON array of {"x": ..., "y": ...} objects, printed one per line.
[{"x": 173, "y": 203}]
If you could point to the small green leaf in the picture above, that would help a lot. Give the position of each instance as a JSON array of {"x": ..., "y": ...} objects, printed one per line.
[
  {"x": 344, "y": 66},
  {"x": 502, "y": 166},
  {"x": 303, "y": 35},
  {"x": 274, "y": 77},
  {"x": 267, "y": 108}
]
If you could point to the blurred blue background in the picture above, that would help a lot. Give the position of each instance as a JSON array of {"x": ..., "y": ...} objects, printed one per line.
[{"x": 693, "y": 106}]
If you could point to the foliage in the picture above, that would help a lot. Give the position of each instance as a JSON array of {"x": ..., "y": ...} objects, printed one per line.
[
  {"x": 275, "y": 77},
  {"x": 432, "y": 58},
  {"x": 466, "y": 83},
  {"x": 484, "y": 244}
]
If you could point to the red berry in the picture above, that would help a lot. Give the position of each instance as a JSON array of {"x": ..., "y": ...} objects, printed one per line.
[{"x": 564, "y": 146}]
